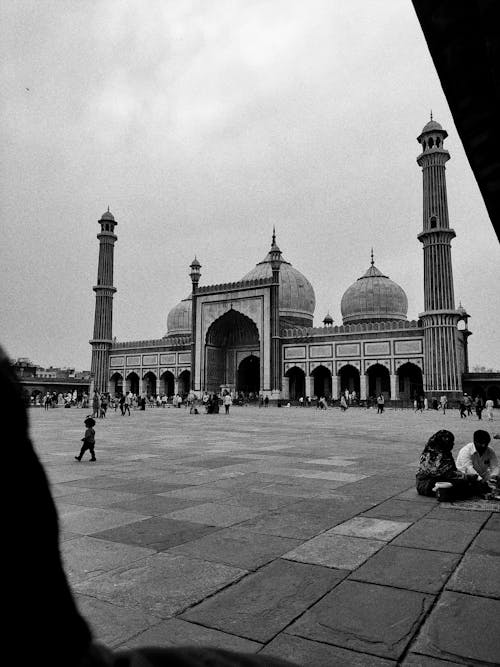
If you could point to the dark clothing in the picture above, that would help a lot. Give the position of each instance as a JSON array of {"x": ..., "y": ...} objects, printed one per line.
[
  {"x": 88, "y": 444},
  {"x": 437, "y": 465}
]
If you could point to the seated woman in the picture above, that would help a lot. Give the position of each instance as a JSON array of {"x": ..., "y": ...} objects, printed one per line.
[{"x": 437, "y": 465}]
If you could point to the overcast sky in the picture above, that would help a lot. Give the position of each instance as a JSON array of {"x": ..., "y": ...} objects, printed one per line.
[{"x": 202, "y": 124}]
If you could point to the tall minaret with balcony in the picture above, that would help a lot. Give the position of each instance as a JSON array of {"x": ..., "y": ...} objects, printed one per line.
[
  {"x": 104, "y": 291},
  {"x": 442, "y": 368}
]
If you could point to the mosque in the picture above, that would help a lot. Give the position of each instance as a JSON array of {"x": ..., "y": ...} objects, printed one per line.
[{"x": 257, "y": 334}]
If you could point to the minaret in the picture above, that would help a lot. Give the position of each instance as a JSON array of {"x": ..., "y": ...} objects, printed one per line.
[
  {"x": 275, "y": 254},
  {"x": 104, "y": 290},
  {"x": 195, "y": 275},
  {"x": 442, "y": 368}
]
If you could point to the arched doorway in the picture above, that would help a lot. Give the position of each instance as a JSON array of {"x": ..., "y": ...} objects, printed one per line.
[
  {"x": 184, "y": 383},
  {"x": 150, "y": 384},
  {"x": 410, "y": 383},
  {"x": 297, "y": 380},
  {"x": 493, "y": 393},
  {"x": 133, "y": 383},
  {"x": 167, "y": 383},
  {"x": 249, "y": 375},
  {"x": 379, "y": 381},
  {"x": 349, "y": 379},
  {"x": 116, "y": 384},
  {"x": 322, "y": 382},
  {"x": 226, "y": 338}
]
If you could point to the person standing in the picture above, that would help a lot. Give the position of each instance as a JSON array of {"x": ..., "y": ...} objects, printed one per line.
[
  {"x": 443, "y": 402},
  {"x": 227, "y": 402},
  {"x": 380, "y": 404},
  {"x": 88, "y": 440},
  {"x": 468, "y": 404},
  {"x": 266, "y": 402},
  {"x": 426, "y": 403},
  {"x": 126, "y": 403},
  {"x": 343, "y": 403},
  {"x": 488, "y": 406},
  {"x": 96, "y": 404},
  {"x": 478, "y": 404},
  {"x": 463, "y": 409}
]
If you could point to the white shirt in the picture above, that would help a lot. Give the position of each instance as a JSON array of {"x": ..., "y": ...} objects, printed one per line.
[{"x": 471, "y": 462}]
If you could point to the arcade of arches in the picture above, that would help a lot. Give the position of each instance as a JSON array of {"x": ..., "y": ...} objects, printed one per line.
[
  {"x": 231, "y": 362},
  {"x": 151, "y": 385},
  {"x": 377, "y": 380}
]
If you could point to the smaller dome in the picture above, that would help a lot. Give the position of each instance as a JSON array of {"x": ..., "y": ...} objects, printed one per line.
[
  {"x": 328, "y": 319},
  {"x": 179, "y": 318},
  {"x": 107, "y": 215},
  {"x": 431, "y": 126}
]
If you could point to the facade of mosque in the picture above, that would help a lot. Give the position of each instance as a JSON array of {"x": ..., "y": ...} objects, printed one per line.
[{"x": 256, "y": 335}]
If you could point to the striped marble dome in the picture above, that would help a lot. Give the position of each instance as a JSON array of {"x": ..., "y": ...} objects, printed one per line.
[
  {"x": 179, "y": 318},
  {"x": 297, "y": 299},
  {"x": 373, "y": 297}
]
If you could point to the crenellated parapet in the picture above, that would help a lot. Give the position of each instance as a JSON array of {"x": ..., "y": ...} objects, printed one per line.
[
  {"x": 235, "y": 286},
  {"x": 369, "y": 327},
  {"x": 170, "y": 342}
]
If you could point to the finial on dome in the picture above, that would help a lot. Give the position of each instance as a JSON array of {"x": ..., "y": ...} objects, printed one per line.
[
  {"x": 273, "y": 242},
  {"x": 108, "y": 208},
  {"x": 372, "y": 260},
  {"x": 431, "y": 114}
]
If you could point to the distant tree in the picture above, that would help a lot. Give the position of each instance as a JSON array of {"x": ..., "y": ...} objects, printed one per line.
[{"x": 482, "y": 369}]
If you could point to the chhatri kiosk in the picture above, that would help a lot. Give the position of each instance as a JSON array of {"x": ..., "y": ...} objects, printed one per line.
[{"x": 257, "y": 335}]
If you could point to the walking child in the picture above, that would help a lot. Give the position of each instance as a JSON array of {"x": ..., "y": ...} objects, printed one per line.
[{"x": 88, "y": 440}]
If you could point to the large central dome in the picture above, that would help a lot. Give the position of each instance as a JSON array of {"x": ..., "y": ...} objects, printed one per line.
[
  {"x": 297, "y": 299},
  {"x": 373, "y": 297}
]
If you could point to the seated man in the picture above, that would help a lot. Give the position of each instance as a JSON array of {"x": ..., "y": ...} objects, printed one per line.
[{"x": 477, "y": 458}]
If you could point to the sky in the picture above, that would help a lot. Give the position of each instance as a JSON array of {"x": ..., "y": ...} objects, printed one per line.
[{"x": 202, "y": 125}]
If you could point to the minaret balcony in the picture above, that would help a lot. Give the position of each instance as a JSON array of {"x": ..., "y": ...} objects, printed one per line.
[{"x": 437, "y": 235}]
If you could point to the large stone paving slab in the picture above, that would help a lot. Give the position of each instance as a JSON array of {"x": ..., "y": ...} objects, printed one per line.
[
  {"x": 306, "y": 653},
  {"x": 462, "y": 628},
  {"x": 153, "y": 505},
  {"x": 363, "y": 617},
  {"x": 162, "y": 585},
  {"x": 91, "y": 520},
  {"x": 438, "y": 535},
  {"x": 155, "y": 533},
  {"x": 413, "y": 569},
  {"x": 237, "y": 546},
  {"x": 342, "y": 552},
  {"x": 375, "y": 529},
  {"x": 176, "y": 632},
  {"x": 287, "y": 523},
  {"x": 86, "y": 557},
  {"x": 214, "y": 514},
  {"x": 487, "y": 543},
  {"x": 265, "y": 602},
  {"x": 477, "y": 575},
  {"x": 103, "y": 498},
  {"x": 112, "y": 624},
  {"x": 398, "y": 510}
]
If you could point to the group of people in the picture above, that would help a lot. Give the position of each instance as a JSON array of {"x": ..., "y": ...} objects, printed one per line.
[{"x": 475, "y": 472}]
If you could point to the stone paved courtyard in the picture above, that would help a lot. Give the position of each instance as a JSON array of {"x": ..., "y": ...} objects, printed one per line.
[{"x": 291, "y": 532}]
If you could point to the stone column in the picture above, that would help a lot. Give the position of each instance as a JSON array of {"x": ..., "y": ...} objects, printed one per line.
[
  {"x": 308, "y": 386},
  {"x": 338, "y": 386},
  {"x": 285, "y": 382},
  {"x": 363, "y": 386},
  {"x": 394, "y": 391}
]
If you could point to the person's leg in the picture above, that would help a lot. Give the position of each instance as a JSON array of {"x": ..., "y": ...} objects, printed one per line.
[
  {"x": 82, "y": 451},
  {"x": 92, "y": 454}
]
